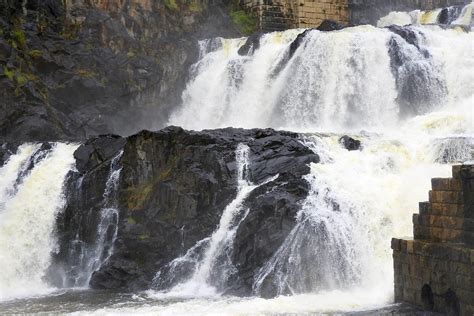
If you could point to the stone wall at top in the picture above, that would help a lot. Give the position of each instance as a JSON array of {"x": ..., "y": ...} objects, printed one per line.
[
  {"x": 277, "y": 15},
  {"x": 369, "y": 11}
]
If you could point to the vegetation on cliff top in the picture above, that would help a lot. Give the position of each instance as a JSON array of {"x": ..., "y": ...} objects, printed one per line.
[{"x": 245, "y": 23}]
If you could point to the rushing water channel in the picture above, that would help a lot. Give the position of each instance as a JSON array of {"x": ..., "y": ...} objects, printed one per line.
[{"x": 408, "y": 96}]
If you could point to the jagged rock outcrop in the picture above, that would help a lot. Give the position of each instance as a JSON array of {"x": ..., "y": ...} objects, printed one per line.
[
  {"x": 72, "y": 69},
  {"x": 173, "y": 188}
]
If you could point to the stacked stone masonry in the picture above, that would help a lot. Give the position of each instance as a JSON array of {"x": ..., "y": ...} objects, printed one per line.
[
  {"x": 277, "y": 15},
  {"x": 435, "y": 270}
]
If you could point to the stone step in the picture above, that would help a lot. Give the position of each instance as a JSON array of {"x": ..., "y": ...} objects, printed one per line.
[
  {"x": 450, "y": 197},
  {"x": 424, "y": 208},
  {"x": 437, "y": 234},
  {"x": 446, "y": 184},
  {"x": 450, "y": 222},
  {"x": 441, "y": 209}
]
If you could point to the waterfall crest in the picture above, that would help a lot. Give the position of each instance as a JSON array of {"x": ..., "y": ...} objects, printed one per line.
[{"x": 360, "y": 77}]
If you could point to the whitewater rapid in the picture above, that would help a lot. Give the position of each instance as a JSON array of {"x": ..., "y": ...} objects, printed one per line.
[
  {"x": 30, "y": 201},
  {"x": 411, "y": 105},
  {"x": 337, "y": 258}
]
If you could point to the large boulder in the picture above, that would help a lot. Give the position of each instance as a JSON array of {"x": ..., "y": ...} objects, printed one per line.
[{"x": 173, "y": 188}]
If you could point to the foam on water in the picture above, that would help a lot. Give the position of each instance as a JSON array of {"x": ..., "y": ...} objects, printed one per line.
[{"x": 27, "y": 221}]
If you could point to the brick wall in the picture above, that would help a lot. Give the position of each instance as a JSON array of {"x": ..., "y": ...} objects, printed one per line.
[{"x": 436, "y": 269}]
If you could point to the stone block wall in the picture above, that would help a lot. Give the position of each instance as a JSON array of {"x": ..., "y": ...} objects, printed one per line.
[
  {"x": 277, "y": 15},
  {"x": 312, "y": 12},
  {"x": 436, "y": 270}
]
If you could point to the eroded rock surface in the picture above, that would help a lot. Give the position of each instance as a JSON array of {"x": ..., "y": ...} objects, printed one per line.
[
  {"x": 70, "y": 70},
  {"x": 173, "y": 188}
]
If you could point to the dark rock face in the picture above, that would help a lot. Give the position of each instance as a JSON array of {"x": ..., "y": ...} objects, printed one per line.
[
  {"x": 350, "y": 143},
  {"x": 330, "y": 25},
  {"x": 96, "y": 151},
  {"x": 75, "y": 69},
  {"x": 6, "y": 150},
  {"x": 297, "y": 42},
  {"x": 272, "y": 211},
  {"x": 173, "y": 188},
  {"x": 251, "y": 44}
]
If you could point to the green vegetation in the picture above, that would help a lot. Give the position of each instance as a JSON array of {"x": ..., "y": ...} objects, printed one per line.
[
  {"x": 195, "y": 6},
  {"x": 144, "y": 237},
  {"x": 10, "y": 74},
  {"x": 35, "y": 53},
  {"x": 245, "y": 23},
  {"x": 19, "y": 37},
  {"x": 171, "y": 5},
  {"x": 18, "y": 77}
]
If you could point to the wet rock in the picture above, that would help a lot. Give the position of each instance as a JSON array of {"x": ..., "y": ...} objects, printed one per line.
[
  {"x": 297, "y": 42},
  {"x": 6, "y": 151},
  {"x": 419, "y": 83},
  {"x": 330, "y": 25},
  {"x": 272, "y": 216},
  {"x": 173, "y": 188},
  {"x": 251, "y": 45},
  {"x": 97, "y": 151},
  {"x": 350, "y": 143}
]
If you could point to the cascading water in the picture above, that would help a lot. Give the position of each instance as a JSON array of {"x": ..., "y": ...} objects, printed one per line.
[
  {"x": 405, "y": 92},
  {"x": 358, "y": 78},
  {"x": 86, "y": 258},
  {"x": 27, "y": 216},
  {"x": 454, "y": 15},
  {"x": 209, "y": 260}
]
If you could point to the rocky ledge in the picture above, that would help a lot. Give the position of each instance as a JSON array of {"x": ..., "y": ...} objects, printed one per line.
[{"x": 173, "y": 188}]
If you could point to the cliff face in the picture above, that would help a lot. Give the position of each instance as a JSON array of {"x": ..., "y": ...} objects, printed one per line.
[{"x": 72, "y": 69}]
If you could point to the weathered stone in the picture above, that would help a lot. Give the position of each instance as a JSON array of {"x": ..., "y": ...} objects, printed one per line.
[
  {"x": 450, "y": 197},
  {"x": 350, "y": 143},
  {"x": 438, "y": 264},
  {"x": 173, "y": 188},
  {"x": 448, "y": 184}
]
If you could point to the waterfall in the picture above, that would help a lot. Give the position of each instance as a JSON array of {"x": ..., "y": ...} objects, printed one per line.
[
  {"x": 405, "y": 92},
  {"x": 86, "y": 258},
  {"x": 454, "y": 15},
  {"x": 27, "y": 215},
  {"x": 209, "y": 261},
  {"x": 357, "y": 78}
]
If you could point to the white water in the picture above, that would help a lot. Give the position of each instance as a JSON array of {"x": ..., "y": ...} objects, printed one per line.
[
  {"x": 27, "y": 219},
  {"x": 464, "y": 17},
  {"x": 91, "y": 257},
  {"x": 214, "y": 268},
  {"x": 336, "y": 81},
  {"x": 338, "y": 257}
]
